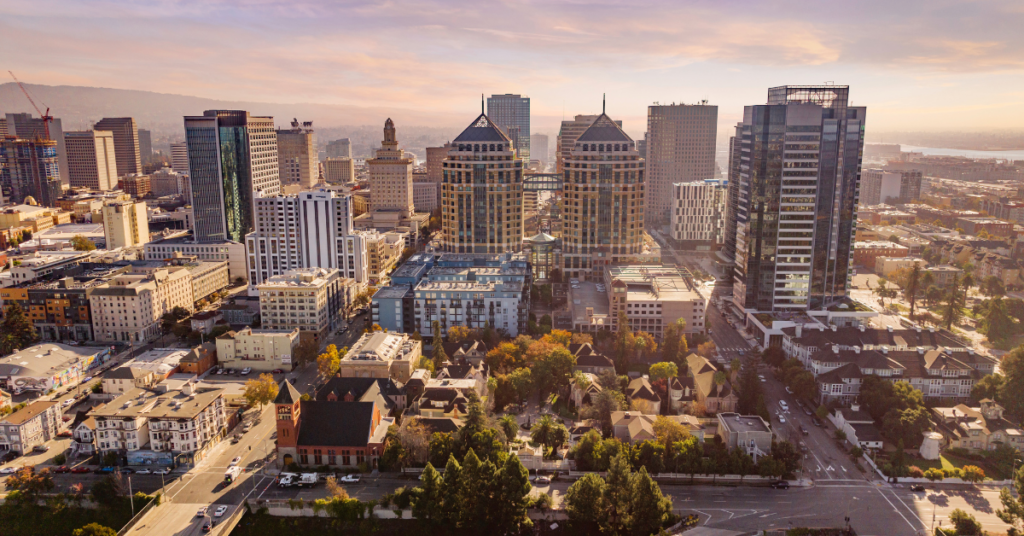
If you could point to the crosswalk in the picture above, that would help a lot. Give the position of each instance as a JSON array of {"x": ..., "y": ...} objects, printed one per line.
[{"x": 734, "y": 349}]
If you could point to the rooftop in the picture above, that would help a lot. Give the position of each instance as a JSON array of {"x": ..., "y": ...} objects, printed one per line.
[
  {"x": 46, "y": 359},
  {"x": 736, "y": 423},
  {"x": 155, "y": 404}
]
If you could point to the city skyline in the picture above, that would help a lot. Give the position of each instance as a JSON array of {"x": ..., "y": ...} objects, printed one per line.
[{"x": 937, "y": 67}]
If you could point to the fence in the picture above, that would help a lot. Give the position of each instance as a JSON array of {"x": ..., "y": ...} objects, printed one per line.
[
  {"x": 133, "y": 521},
  {"x": 282, "y": 508},
  {"x": 752, "y": 480},
  {"x": 910, "y": 480}
]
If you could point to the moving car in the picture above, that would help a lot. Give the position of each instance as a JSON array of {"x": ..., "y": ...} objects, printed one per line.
[
  {"x": 220, "y": 511},
  {"x": 286, "y": 482},
  {"x": 781, "y": 484},
  {"x": 127, "y": 470},
  {"x": 917, "y": 487},
  {"x": 782, "y": 419},
  {"x": 804, "y": 430},
  {"x": 164, "y": 471},
  {"x": 202, "y": 512},
  {"x": 235, "y": 439},
  {"x": 68, "y": 402},
  {"x": 351, "y": 479},
  {"x": 783, "y": 405},
  {"x": 143, "y": 472},
  {"x": 207, "y": 527},
  {"x": 543, "y": 480},
  {"x": 234, "y": 461}
]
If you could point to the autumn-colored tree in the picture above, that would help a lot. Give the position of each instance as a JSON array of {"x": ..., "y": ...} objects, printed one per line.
[
  {"x": 558, "y": 336},
  {"x": 458, "y": 333},
  {"x": 262, "y": 390},
  {"x": 505, "y": 357},
  {"x": 582, "y": 338},
  {"x": 328, "y": 363}
]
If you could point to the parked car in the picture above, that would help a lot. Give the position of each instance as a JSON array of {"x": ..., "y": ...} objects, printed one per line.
[
  {"x": 127, "y": 470},
  {"x": 68, "y": 402},
  {"x": 79, "y": 470},
  {"x": 781, "y": 484},
  {"x": 351, "y": 479},
  {"x": 782, "y": 419},
  {"x": 164, "y": 471},
  {"x": 804, "y": 430},
  {"x": 235, "y": 439},
  {"x": 144, "y": 472},
  {"x": 246, "y": 371},
  {"x": 8, "y": 470},
  {"x": 543, "y": 480},
  {"x": 784, "y": 405},
  {"x": 816, "y": 421},
  {"x": 62, "y": 469},
  {"x": 40, "y": 448},
  {"x": 65, "y": 433},
  {"x": 277, "y": 371}
]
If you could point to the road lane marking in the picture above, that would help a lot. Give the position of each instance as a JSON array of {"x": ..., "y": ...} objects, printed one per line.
[{"x": 912, "y": 527}]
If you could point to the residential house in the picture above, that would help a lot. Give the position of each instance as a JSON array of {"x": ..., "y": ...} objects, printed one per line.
[
  {"x": 977, "y": 429},
  {"x": 472, "y": 351},
  {"x": 858, "y": 426},
  {"x": 83, "y": 435},
  {"x": 30, "y": 426},
  {"x": 640, "y": 394},
  {"x": 588, "y": 360},
  {"x": 716, "y": 396},
  {"x": 583, "y": 395},
  {"x": 633, "y": 426},
  {"x": 199, "y": 359}
]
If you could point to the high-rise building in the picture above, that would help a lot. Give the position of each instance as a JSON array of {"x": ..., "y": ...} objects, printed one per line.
[
  {"x": 167, "y": 182},
  {"x": 539, "y": 144},
  {"x": 797, "y": 196},
  {"x": 29, "y": 168},
  {"x": 435, "y": 166},
  {"x": 26, "y": 127},
  {"x": 326, "y": 291},
  {"x": 179, "y": 157},
  {"x": 135, "y": 185},
  {"x": 567, "y": 135},
  {"x": 603, "y": 201},
  {"x": 145, "y": 143},
  {"x": 680, "y": 148},
  {"x": 698, "y": 214},
  {"x": 339, "y": 148},
  {"x": 297, "y": 161},
  {"x": 91, "y": 159},
  {"x": 305, "y": 230},
  {"x": 126, "y": 142},
  {"x": 390, "y": 177},
  {"x": 339, "y": 170},
  {"x": 641, "y": 147},
  {"x": 232, "y": 159},
  {"x": 882, "y": 186},
  {"x": 125, "y": 224},
  {"x": 482, "y": 192},
  {"x": 512, "y": 115},
  {"x": 727, "y": 255}
]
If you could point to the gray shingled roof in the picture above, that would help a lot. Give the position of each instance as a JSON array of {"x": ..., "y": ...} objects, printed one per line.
[
  {"x": 336, "y": 424},
  {"x": 288, "y": 394},
  {"x": 604, "y": 130},
  {"x": 482, "y": 129}
]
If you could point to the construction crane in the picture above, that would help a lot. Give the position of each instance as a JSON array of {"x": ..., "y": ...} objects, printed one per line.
[{"x": 47, "y": 118}]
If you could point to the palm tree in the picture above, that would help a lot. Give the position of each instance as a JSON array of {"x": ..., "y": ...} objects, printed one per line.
[{"x": 912, "y": 283}]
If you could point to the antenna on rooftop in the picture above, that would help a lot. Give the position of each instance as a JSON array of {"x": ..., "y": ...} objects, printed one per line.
[
  {"x": 602, "y": 103},
  {"x": 482, "y": 104}
]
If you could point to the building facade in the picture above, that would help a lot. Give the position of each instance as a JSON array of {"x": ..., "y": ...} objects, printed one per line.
[
  {"x": 91, "y": 159},
  {"x": 680, "y": 148},
  {"x": 130, "y": 307},
  {"x": 797, "y": 198},
  {"x": 482, "y": 192},
  {"x": 339, "y": 170},
  {"x": 305, "y": 230},
  {"x": 698, "y": 214},
  {"x": 232, "y": 159},
  {"x": 126, "y": 142},
  {"x": 602, "y": 201},
  {"x": 29, "y": 168},
  {"x": 512, "y": 115},
  {"x": 339, "y": 148},
  {"x": 125, "y": 224},
  {"x": 183, "y": 244},
  {"x": 297, "y": 160},
  {"x": 261, "y": 350},
  {"x": 881, "y": 186},
  {"x": 311, "y": 300},
  {"x": 179, "y": 157},
  {"x": 539, "y": 148}
]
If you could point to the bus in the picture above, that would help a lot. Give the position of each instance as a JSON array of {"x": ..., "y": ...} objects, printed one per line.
[{"x": 232, "y": 474}]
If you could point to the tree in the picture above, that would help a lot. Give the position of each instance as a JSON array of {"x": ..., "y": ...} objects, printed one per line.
[
  {"x": 669, "y": 432},
  {"x": 1012, "y": 512},
  {"x": 306, "y": 352},
  {"x": 442, "y": 445},
  {"x": 973, "y": 474},
  {"x": 906, "y": 425},
  {"x": 334, "y": 489},
  {"x": 81, "y": 243},
  {"x": 505, "y": 357},
  {"x": 17, "y": 329},
  {"x": 509, "y": 426},
  {"x": 911, "y": 288},
  {"x": 601, "y": 407},
  {"x": 521, "y": 381},
  {"x": 511, "y": 497},
  {"x": 624, "y": 342},
  {"x": 1012, "y": 390},
  {"x": 965, "y": 523},
  {"x": 992, "y": 287},
  {"x": 94, "y": 529},
  {"x": 988, "y": 387},
  {"x": 706, "y": 349},
  {"x": 262, "y": 390},
  {"x": 474, "y": 483},
  {"x": 663, "y": 373},
  {"x": 329, "y": 362},
  {"x": 648, "y": 454},
  {"x": 548, "y": 432},
  {"x": 438, "y": 353},
  {"x": 553, "y": 369},
  {"x": 450, "y": 513},
  {"x": 645, "y": 345},
  {"x": 30, "y": 484},
  {"x": 996, "y": 324},
  {"x": 428, "y": 499},
  {"x": 582, "y": 338},
  {"x": 585, "y": 504},
  {"x": 458, "y": 333},
  {"x": 773, "y": 356},
  {"x": 109, "y": 490},
  {"x": 415, "y": 439}
]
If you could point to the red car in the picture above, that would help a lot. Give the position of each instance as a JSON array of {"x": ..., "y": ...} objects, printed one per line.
[
  {"x": 62, "y": 469},
  {"x": 80, "y": 470},
  {"x": 65, "y": 433},
  {"x": 277, "y": 371}
]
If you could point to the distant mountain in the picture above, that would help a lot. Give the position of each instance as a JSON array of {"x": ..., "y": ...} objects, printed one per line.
[{"x": 78, "y": 106}]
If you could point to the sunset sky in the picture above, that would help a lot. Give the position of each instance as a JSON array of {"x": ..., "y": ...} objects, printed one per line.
[{"x": 917, "y": 65}]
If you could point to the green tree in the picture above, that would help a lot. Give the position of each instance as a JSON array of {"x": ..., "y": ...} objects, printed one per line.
[
  {"x": 601, "y": 407},
  {"x": 648, "y": 454},
  {"x": 965, "y": 523},
  {"x": 992, "y": 287},
  {"x": 988, "y": 386},
  {"x": 750, "y": 390},
  {"x": 439, "y": 354},
  {"x": 553, "y": 369},
  {"x": 427, "y": 498},
  {"x": 1012, "y": 390},
  {"x": 509, "y": 426},
  {"x": 548, "y": 432},
  {"x": 648, "y": 508},
  {"x": 912, "y": 287},
  {"x": 18, "y": 331},
  {"x": 521, "y": 381},
  {"x": 94, "y": 529},
  {"x": 30, "y": 484},
  {"x": 475, "y": 483},
  {"x": 81, "y": 243},
  {"x": 585, "y": 504},
  {"x": 1012, "y": 512},
  {"x": 442, "y": 446},
  {"x": 617, "y": 492},
  {"x": 773, "y": 356},
  {"x": 907, "y": 425},
  {"x": 996, "y": 324},
  {"x": 450, "y": 513},
  {"x": 511, "y": 497},
  {"x": 973, "y": 473}
]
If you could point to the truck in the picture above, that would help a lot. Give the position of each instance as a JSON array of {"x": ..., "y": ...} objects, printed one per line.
[
  {"x": 232, "y": 474},
  {"x": 308, "y": 480}
]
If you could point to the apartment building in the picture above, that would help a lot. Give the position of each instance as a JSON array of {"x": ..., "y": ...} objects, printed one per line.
[
  {"x": 125, "y": 133},
  {"x": 125, "y": 224},
  {"x": 305, "y": 230},
  {"x": 297, "y": 159},
  {"x": 30, "y": 426},
  {"x": 697, "y": 214},
  {"x": 680, "y": 148},
  {"x": 183, "y": 425},
  {"x": 135, "y": 185},
  {"x": 883, "y": 186},
  {"x": 382, "y": 252},
  {"x": 183, "y": 243},
  {"x": 652, "y": 297},
  {"x": 261, "y": 350},
  {"x": 129, "y": 307},
  {"x": 339, "y": 170},
  {"x": 310, "y": 299}
]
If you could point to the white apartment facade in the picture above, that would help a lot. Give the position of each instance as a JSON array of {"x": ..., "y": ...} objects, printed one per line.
[
  {"x": 697, "y": 214},
  {"x": 339, "y": 170},
  {"x": 261, "y": 350},
  {"x": 310, "y": 299},
  {"x": 125, "y": 224},
  {"x": 305, "y": 230},
  {"x": 129, "y": 307}
]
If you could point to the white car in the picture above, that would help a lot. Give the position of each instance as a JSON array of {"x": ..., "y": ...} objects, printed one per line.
[
  {"x": 68, "y": 402},
  {"x": 246, "y": 371},
  {"x": 8, "y": 470},
  {"x": 782, "y": 419},
  {"x": 201, "y": 512},
  {"x": 543, "y": 480},
  {"x": 164, "y": 471},
  {"x": 784, "y": 405},
  {"x": 220, "y": 511},
  {"x": 234, "y": 461},
  {"x": 143, "y": 472},
  {"x": 351, "y": 479}
]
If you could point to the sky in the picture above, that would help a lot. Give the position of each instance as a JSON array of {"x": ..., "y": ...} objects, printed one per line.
[{"x": 932, "y": 65}]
